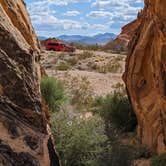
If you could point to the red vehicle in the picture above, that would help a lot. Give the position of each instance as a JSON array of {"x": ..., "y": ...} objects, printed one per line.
[{"x": 59, "y": 46}]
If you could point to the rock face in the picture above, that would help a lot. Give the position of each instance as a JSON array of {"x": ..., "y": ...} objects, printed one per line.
[
  {"x": 24, "y": 135},
  {"x": 145, "y": 75},
  {"x": 122, "y": 40}
]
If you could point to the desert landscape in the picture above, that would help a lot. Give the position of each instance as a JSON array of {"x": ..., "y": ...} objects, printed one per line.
[
  {"x": 74, "y": 93},
  {"x": 102, "y": 70}
]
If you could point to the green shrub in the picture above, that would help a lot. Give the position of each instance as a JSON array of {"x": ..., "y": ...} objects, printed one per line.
[
  {"x": 159, "y": 160},
  {"x": 79, "y": 141},
  {"x": 53, "y": 92},
  {"x": 81, "y": 46},
  {"x": 63, "y": 66},
  {"x": 124, "y": 155},
  {"x": 116, "y": 110}
]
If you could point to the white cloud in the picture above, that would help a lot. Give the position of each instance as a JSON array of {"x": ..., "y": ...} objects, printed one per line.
[
  {"x": 44, "y": 19},
  {"x": 99, "y": 26},
  {"x": 116, "y": 12},
  {"x": 121, "y": 11},
  {"x": 101, "y": 14},
  {"x": 58, "y": 2},
  {"x": 72, "y": 13},
  {"x": 52, "y": 23}
]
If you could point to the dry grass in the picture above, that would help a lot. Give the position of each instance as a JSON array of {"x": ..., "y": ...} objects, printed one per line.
[
  {"x": 113, "y": 66},
  {"x": 85, "y": 55},
  {"x": 80, "y": 91}
]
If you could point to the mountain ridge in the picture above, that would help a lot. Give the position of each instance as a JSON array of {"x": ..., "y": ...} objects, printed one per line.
[{"x": 95, "y": 39}]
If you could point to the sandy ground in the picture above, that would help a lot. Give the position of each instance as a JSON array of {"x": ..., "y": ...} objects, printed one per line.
[{"x": 102, "y": 83}]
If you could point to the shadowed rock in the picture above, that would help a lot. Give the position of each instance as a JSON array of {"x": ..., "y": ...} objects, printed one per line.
[{"x": 23, "y": 126}]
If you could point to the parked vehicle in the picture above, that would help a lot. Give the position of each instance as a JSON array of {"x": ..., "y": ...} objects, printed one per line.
[{"x": 59, "y": 46}]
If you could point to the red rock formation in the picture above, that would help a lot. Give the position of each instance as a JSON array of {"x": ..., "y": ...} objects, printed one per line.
[
  {"x": 24, "y": 136},
  {"x": 145, "y": 75},
  {"x": 122, "y": 40}
]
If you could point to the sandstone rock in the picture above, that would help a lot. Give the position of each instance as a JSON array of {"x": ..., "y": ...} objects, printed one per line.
[
  {"x": 24, "y": 136},
  {"x": 122, "y": 40},
  {"x": 145, "y": 75},
  {"x": 142, "y": 162}
]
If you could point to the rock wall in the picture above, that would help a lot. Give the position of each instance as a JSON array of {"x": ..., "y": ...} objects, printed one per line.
[
  {"x": 145, "y": 75},
  {"x": 24, "y": 132},
  {"x": 122, "y": 40}
]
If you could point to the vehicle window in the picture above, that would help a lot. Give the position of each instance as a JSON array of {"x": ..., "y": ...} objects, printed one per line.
[{"x": 53, "y": 44}]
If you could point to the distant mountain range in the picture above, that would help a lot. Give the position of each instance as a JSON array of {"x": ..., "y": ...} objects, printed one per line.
[
  {"x": 42, "y": 38},
  {"x": 96, "y": 39}
]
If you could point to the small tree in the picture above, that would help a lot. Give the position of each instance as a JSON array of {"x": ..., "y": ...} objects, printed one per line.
[
  {"x": 116, "y": 110},
  {"x": 53, "y": 93}
]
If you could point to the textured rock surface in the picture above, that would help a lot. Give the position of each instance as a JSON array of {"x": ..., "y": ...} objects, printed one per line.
[
  {"x": 122, "y": 40},
  {"x": 145, "y": 75},
  {"x": 24, "y": 137}
]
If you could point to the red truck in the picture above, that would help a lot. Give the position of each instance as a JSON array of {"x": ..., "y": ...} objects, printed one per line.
[{"x": 59, "y": 46}]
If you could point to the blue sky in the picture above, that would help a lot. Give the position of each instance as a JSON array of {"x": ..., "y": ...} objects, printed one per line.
[{"x": 81, "y": 17}]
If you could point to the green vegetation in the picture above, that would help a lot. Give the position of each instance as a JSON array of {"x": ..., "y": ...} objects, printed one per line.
[
  {"x": 79, "y": 141},
  {"x": 159, "y": 160},
  {"x": 93, "y": 47},
  {"x": 116, "y": 110},
  {"x": 53, "y": 93},
  {"x": 94, "y": 140},
  {"x": 63, "y": 66},
  {"x": 123, "y": 155}
]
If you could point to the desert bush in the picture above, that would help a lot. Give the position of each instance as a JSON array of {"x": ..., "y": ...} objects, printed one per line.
[
  {"x": 63, "y": 66},
  {"x": 94, "y": 47},
  {"x": 159, "y": 160},
  {"x": 79, "y": 142},
  {"x": 120, "y": 88},
  {"x": 85, "y": 55},
  {"x": 113, "y": 66},
  {"x": 53, "y": 93},
  {"x": 81, "y": 46},
  {"x": 116, "y": 110},
  {"x": 122, "y": 155},
  {"x": 72, "y": 61},
  {"x": 81, "y": 92}
]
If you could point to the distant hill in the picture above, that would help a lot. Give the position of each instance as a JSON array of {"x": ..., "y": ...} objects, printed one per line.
[
  {"x": 42, "y": 37},
  {"x": 96, "y": 39}
]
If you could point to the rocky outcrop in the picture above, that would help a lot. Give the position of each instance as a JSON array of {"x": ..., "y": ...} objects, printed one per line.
[
  {"x": 145, "y": 75},
  {"x": 122, "y": 40},
  {"x": 24, "y": 136}
]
